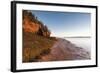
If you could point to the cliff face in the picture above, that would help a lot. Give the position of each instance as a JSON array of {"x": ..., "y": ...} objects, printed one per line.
[
  {"x": 36, "y": 37},
  {"x": 33, "y": 25},
  {"x": 29, "y": 26}
]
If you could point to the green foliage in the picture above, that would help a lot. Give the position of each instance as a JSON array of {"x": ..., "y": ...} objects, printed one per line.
[{"x": 31, "y": 17}]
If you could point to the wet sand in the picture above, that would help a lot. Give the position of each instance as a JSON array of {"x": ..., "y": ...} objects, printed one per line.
[{"x": 65, "y": 50}]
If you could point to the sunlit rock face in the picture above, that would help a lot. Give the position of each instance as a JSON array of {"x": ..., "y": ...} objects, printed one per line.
[{"x": 32, "y": 24}]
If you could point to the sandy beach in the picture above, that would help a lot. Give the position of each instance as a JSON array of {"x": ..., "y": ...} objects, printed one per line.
[{"x": 65, "y": 50}]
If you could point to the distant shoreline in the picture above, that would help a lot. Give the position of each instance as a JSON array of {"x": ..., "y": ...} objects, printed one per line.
[
  {"x": 73, "y": 37},
  {"x": 76, "y": 37}
]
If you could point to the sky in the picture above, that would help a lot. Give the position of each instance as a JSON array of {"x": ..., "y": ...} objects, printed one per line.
[{"x": 65, "y": 24}]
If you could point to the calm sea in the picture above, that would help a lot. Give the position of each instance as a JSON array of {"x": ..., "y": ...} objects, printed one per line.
[{"x": 85, "y": 43}]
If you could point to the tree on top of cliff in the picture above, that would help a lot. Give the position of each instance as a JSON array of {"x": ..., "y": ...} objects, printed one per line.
[
  {"x": 28, "y": 14},
  {"x": 43, "y": 29}
]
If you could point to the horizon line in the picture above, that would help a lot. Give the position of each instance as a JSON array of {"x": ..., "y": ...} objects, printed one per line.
[{"x": 78, "y": 37}]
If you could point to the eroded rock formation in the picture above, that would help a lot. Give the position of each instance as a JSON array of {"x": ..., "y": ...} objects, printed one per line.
[{"x": 32, "y": 24}]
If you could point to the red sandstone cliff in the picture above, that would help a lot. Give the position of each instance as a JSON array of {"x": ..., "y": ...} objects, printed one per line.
[{"x": 32, "y": 24}]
